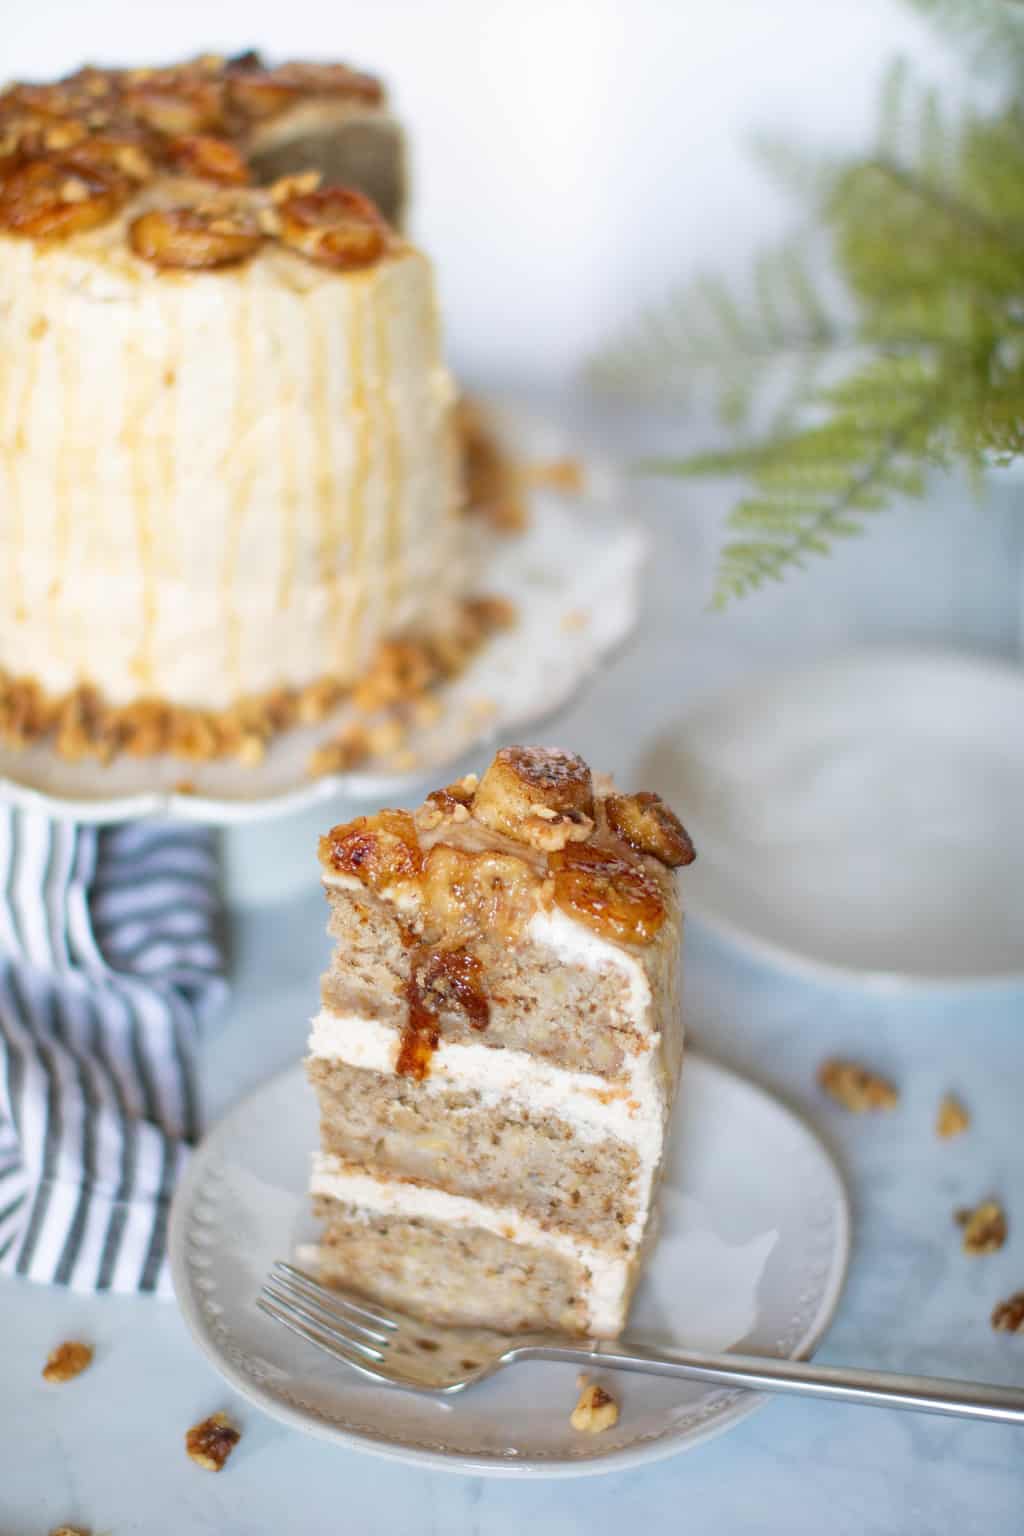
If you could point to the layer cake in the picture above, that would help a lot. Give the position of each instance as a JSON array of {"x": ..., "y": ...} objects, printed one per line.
[
  {"x": 228, "y": 463},
  {"x": 498, "y": 1046}
]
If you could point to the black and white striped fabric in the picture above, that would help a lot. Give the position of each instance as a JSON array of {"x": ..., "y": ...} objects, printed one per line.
[{"x": 110, "y": 957}]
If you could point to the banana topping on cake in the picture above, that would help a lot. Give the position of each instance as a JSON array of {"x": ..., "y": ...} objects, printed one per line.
[
  {"x": 537, "y": 795},
  {"x": 74, "y": 154}
]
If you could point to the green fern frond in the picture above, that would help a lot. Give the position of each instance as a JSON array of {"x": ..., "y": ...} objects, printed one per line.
[
  {"x": 927, "y": 235},
  {"x": 740, "y": 338},
  {"x": 992, "y": 31}
]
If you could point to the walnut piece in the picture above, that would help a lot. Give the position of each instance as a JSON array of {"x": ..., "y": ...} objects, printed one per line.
[
  {"x": 210, "y": 1443},
  {"x": 596, "y": 1410},
  {"x": 855, "y": 1088},
  {"x": 984, "y": 1227},
  {"x": 67, "y": 1361},
  {"x": 1008, "y": 1315},
  {"x": 952, "y": 1119}
]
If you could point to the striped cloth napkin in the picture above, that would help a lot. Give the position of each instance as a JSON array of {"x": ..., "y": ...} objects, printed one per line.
[{"x": 110, "y": 957}]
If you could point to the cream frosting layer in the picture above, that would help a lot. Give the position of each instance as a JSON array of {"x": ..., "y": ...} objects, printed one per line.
[
  {"x": 608, "y": 1278},
  {"x": 632, "y": 1110},
  {"x": 215, "y": 483}
]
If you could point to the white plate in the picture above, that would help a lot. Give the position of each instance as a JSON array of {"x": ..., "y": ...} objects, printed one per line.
[
  {"x": 574, "y": 578},
  {"x": 862, "y": 817},
  {"x": 753, "y": 1251}
]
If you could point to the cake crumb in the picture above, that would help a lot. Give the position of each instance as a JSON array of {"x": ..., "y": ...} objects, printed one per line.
[
  {"x": 1008, "y": 1315},
  {"x": 984, "y": 1227},
  {"x": 210, "y": 1443},
  {"x": 855, "y": 1088},
  {"x": 566, "y": 475},
  {"x": 952, "y": 1119},
  {"x": 67, "y": 1361},
  {"x": 596, "y": 1410},
  {"x": 69, "y": 1530}
]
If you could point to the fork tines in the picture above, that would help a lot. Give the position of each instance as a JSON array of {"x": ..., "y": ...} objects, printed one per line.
[{"x": 345, "y": 1328}]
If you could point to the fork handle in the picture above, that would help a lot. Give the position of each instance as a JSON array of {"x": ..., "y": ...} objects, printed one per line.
[{"x": 880, "y": 1389}]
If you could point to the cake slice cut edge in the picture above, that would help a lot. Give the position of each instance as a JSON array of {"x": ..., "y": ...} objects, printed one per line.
[{"x": 498, "y": 1047}]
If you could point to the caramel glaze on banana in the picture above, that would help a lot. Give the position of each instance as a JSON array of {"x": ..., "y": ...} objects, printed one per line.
[
  {"x": 601, "y": 859},
  {"x": 76, "y": 153}
]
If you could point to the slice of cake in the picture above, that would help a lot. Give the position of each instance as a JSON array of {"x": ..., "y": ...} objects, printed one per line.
[
  {"x": 498, "y": 1046},
  {"x": 228, "y": 461}
]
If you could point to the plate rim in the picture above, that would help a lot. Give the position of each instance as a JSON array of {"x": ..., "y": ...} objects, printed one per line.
[
  {"x": 881, "y": 981},
  {"x": 659, "y": 1449}
]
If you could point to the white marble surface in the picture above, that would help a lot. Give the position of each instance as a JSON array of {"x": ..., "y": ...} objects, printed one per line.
[{"x": 106, "y": 1452}]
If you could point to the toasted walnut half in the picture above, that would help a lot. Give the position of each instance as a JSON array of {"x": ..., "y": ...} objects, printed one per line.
[
  {"x": 114, "y": 154},
  {"x": 194, "y": 239},
  {"x": 469, "y": 894},
  {"x": 50, "y": 199},
  {"x": 984, "y": 1227},
  {"x": 210, "y": 1443},
  {"x": 617, "y": 899},
  {"x": 1008, "y": 1315},
  {"x": 67, "y": 1361},
  {"x": 379, "y": 850},
  {"x": 537, "y": 795},
  {"x": 334, "y": 226},
  {"x": 647, "y": 824},
  {"x": 211, "y": 158}
]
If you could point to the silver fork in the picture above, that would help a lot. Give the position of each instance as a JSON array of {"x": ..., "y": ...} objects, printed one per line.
[{"x": 421, "y": 1357}]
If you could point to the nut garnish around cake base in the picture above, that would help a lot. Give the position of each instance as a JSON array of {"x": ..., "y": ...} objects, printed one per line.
[{"x": 402, "y": 674}]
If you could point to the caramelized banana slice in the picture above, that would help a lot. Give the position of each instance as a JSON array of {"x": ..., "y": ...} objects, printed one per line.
[
  {"x": 211, "y": 158},
  {"x": 469, "y": 894},
  {"x": 175, "y": 101},
  {"x": 55, "y": 198},
  {"x": 335, "y": 226},
  {"x": 647, "y": 824},
  {"x": 195, "y": 239},
  {"x": 261, "y": 94},
  {"x": 616, "y": 899},
  {"x": 537, "y": 795},
  {"x": 379, "y": 850}
]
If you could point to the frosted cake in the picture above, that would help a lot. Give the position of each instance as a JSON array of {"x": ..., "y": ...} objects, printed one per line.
[{"x": 498, "y": 1046}]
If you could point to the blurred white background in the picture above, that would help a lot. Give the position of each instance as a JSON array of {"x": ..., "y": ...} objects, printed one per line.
[{"x": 572, "y": 158}]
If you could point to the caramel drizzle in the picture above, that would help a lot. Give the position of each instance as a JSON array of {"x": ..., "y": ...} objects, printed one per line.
[
  {"x": 289, "y": 488},
  {"x": 19, "y": 606},
  {"x": 63, "y": 455},
  {"x": 243, "y": 484},
  {"x": 359, "y": 415},
  {"x": 325, "y": 482},
  {"x": 166, "y": 441},
  {"x": 133, "y": 416},
  {"x": 393, "y": 534},
  {"x": 451, "y": 978}
]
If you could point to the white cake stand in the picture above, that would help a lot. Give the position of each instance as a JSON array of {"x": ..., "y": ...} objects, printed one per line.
[{"x": 573, "y": 577}]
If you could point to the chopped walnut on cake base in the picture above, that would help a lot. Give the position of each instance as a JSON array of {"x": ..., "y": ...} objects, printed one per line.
[{"x": 498, "y": 1046}]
